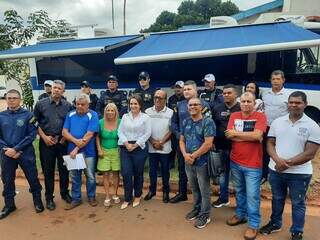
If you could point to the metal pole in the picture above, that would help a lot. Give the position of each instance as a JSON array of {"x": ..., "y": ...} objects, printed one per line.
[
  {"x": 124, "y": 17},
  {"x": 112, "y": 14}
]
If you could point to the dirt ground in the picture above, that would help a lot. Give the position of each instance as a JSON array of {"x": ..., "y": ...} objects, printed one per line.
[{"x": 151, "y": 220}]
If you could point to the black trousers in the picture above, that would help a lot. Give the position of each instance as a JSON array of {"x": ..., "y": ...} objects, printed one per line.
[
  {"x": 9, "y": 166},
  {"x": 49, "y": 155}
]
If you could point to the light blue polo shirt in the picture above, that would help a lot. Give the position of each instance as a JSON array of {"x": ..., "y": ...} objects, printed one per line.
[{"x": 78, "y": 125}]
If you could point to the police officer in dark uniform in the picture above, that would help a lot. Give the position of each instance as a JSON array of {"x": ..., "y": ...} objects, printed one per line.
[
  {"x": 179, "y": 114},
  {"x": 145, "y": 91},
  {"x": 210, "y": 93},
  {"x": 17, "y": 131},
  {"x": 172, "y": 103},
  {"x": 112, "y": 95},
  {"x": 47, "y": 88},
  {"x": 86, "y": 88}
]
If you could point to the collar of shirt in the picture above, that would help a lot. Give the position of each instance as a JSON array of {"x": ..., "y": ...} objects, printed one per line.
[
  {"x": 281, "y": 92},
  {"x": 52, "y": 101},
  {"x": 137, "y": 117},
  {"x": 163, "y": 110},
  {"x": 302, "y": 119}
]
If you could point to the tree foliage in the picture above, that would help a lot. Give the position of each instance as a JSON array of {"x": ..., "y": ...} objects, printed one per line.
[
  {"x": 17, "y": 32},
  {"x": 192, "y": 12}
]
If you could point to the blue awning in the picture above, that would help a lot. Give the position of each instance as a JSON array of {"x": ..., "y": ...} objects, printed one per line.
[
  {"x": 69, "y": 47},
  {"x": 212, "y": 42}
]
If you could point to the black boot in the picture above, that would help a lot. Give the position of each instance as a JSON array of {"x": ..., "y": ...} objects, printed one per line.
[{"x": 6, "y": 210}]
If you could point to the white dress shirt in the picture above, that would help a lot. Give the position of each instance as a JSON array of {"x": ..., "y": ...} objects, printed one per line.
[
  {"x": 275, "y": 104},
  {"x": 160, "y": 126},
  {"x": 136, "y": 129}
]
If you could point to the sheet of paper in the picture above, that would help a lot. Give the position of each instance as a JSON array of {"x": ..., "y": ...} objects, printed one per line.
[{"x": 75, "y": 163}]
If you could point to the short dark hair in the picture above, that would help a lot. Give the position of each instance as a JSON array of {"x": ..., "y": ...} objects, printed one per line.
[
  {"x": 230, "y": 85},
  {"x": 277, "y": 72},
  {"x": 139, "y": 100},
  {"x": 257, "y": 93},
  {"x": 14, "y": 91},
  {"x": 300, "y": 94}
]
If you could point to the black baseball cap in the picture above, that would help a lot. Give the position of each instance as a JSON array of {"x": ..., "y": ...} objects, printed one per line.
[
  {"x": 112, "y": 77},
  {"x": 144, "y": 74},
  {"x": 85, "y": 83}
]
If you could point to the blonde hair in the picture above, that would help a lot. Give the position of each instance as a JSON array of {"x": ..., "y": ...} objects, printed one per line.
[{"x": 114, "y": 107}]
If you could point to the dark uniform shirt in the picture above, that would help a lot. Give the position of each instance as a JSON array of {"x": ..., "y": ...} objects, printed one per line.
[
  {"x": 119, "y": 98},
  {"x": 51, "y": 116},
  {"x": 93, "y": 101},
  {"x": 212, "y": 97},
  {"x": 181, "y": 112},
  {"x": 221, "y": 114},
  {"x": 43, "y": 95},
  {"x": 146, "y": 95},
  {"x": 17, "y": 129},
  {"x": 173, "y": 100}
]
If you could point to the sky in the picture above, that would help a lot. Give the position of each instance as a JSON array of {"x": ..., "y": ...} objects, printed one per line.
[{"x": 140, "y": 14}]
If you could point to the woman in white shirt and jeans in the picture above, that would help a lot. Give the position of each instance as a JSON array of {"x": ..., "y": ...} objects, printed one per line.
[{"x": 134, "y": 131}]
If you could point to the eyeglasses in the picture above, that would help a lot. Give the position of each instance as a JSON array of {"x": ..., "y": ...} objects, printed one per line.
[
  {"x": 194, "y": 104},
  {"x": 142, "y": 78},
  {"x": 159, "y": 98}
]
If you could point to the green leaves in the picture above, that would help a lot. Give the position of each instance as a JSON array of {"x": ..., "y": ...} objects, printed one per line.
[{"x": 192, "y": 12}]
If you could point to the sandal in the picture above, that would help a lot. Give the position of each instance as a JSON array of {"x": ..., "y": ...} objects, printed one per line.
[
  {"x": 124, "y": 205},
  {"x": 116, "y": 199},
  {"x": 107, "y": 202}
]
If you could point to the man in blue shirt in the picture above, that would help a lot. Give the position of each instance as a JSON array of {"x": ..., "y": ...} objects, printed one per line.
[
  {"x": 179, "y": 114},
  {"x": 79, "y": 130},
  {"x": 17, "y": 131},
  {"x": 195, "y": 142}
]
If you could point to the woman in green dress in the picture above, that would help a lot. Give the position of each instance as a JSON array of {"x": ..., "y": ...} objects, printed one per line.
[{"x": 108, "y": 151}]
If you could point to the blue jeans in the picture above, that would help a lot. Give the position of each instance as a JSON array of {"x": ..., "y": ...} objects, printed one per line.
[
  {"x": 247, "y": 185},
  {"x": 132, "y": 166},
  {"x": 154, "y": 159},
  {"x": 298, "y": 185},
  {"x": 199, "y": 181},
  {"x": 76, "y": 179},
  {"x": 224, "y": 178}
]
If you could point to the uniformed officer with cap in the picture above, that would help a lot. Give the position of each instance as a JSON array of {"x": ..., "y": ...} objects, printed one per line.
[
  {"x": 210, "y": 93},
  {"x": 145, "y": 91},
  {"x": 86, "y": 89},
  {"x": 112, "y": 95},
  {"x": 172, "y": 103},
  {"x": 18, "y": 129},
  {"x": 47, "y": 88},
  {"x": 177, "y": 96}
]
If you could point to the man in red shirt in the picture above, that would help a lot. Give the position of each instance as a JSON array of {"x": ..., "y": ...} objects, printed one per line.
[{"x": 246, "y": 129}]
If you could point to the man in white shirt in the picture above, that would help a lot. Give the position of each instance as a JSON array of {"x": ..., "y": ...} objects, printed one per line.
[
  {"x": 159, "y": 144},
  {"x": 276, "y": 105},
  {"x": 293, "y": 140}
]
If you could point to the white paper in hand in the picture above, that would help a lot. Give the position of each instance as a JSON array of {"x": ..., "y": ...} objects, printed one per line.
[{"x": 75, "y": 163}]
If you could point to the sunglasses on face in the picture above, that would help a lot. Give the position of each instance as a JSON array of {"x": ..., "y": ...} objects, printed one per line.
[{"x": 142, "y": 78}]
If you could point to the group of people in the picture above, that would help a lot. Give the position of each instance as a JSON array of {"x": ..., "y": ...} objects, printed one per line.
[{"x": 117, "y": 134}]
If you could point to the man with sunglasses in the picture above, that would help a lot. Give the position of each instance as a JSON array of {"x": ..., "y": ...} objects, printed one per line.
[
  {"x": 18, "y": 129},
  {"x": 112, "y": 95},
  {"x": 145, "y": 91},
  {"x": 196, "y": 140},
  {"x": 179, "y": 114}
]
